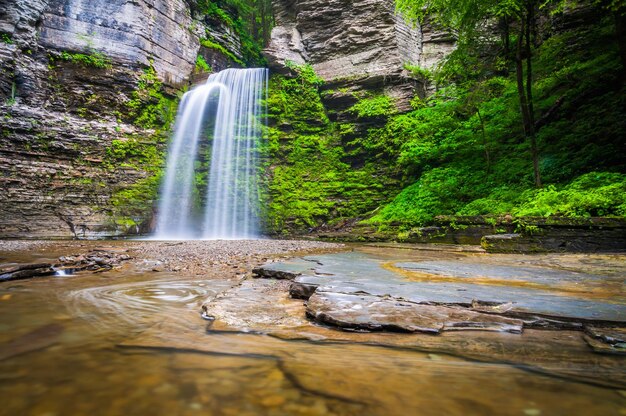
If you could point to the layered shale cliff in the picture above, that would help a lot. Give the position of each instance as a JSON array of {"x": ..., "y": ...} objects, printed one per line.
[
  {"x": 339, "y": 73},
  {"x": 88, "y": 90},
  {"x": 355, "y": 46}
]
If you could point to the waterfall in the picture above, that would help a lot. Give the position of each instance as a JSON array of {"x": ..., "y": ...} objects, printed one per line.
[{"x": 226, "y": 207}]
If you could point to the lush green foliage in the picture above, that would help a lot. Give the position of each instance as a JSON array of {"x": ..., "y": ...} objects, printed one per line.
[
  {"x": 251, "y": 20},
  {"x": 592, "y": 194},
  {"x": 464, "y": 146},
  {"x": 307, "y": 176},
  {"x": 380, "y": 105},
  {"x": 418, "y": 72}
]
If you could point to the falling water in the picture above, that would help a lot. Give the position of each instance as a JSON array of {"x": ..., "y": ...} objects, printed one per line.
[{"x": 226, "y": 206}]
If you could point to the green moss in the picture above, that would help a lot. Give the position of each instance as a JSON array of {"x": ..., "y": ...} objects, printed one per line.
[
  {"x": 201, "y": 65},
  {"x": 379, "y": 105},
  {"x": 132, "y": 153},
  {"x": 6, "y": 38},
  {"x": 131, "y": 206},
  {"x": 149, "y": 107},
  {"x": 307, "y": 176},
  {"x": 92, "y": 60},
  {"x": 210, "y": 44}
]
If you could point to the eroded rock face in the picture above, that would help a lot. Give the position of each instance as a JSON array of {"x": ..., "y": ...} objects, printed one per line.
[
  {"x": 60, "y": 117},
  {"x": 129, "y": 32},
  {"x": 355, "y": 44}
]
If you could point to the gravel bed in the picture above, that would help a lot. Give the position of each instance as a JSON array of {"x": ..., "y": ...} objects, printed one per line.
[
  {"x": 218, "y": 258},
  {"x": 23, "y": 245},
  {"x": 196, "y": 256}
]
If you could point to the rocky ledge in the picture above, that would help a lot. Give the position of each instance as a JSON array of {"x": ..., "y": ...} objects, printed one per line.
[{"x": 362, "y": 292}]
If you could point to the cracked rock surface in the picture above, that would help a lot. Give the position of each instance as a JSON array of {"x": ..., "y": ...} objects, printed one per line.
[{"x": 362, "y": 290}]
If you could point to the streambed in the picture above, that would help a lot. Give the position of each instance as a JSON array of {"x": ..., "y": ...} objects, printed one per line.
[{"x": 132, "y": 340}]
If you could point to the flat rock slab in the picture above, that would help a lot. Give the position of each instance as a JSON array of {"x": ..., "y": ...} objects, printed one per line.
[
  {"x": 361, "y": 273},
  {"x": 458, "y": 269},
  {"x": 384, "y": 313},
  {"x": 26, "y": 271}
]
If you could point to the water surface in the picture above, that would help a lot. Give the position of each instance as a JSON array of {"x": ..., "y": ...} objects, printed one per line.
[{"x": 130, "y": 342}]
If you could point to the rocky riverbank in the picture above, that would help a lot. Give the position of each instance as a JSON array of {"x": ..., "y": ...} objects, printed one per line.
[
  {"x": 556, "y": 319},
  {"x": 220, "y": 258}
]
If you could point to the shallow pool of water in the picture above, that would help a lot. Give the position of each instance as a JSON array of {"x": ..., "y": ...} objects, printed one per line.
[{"x": 127, "y": 343}]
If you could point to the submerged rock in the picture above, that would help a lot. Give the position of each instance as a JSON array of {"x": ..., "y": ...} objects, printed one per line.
[
  {"x": 606, "y": 340},
  {"x": 35, "y": 340},
  {"x": 512, "y": 288}
]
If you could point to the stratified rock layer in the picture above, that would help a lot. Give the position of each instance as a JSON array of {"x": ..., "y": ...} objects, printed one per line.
[
  {"x": 353, "y": 291},
  {"x": 360, "y": 311},
  {"x": 359, "y": 45},
  {"x": 60, "y": 116}
]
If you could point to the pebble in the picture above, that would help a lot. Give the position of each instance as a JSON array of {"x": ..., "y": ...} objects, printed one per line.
[{"x": 196, "y": 256}]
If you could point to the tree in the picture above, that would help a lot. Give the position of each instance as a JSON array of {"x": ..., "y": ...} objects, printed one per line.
[{"x": 468, "y": 18}]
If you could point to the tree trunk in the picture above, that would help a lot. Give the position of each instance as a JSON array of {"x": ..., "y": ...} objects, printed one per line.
[
  {"x": 620, "y": 33},
  {"x": 530, "y": 14},
  {"x": 519, "y": 77},
  {"x": 522, "y": 91}
]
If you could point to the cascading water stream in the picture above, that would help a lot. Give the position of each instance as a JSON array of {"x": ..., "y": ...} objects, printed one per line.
[{"x": 227, "y": 207}]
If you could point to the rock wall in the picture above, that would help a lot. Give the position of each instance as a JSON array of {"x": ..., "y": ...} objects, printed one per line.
[
  {"x": 361, "y": 45},
  {"x": 325, "y": 168},
  {"x": 60, "y": 113}
]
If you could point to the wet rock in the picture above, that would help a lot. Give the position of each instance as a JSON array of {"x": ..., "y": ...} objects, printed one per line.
[
  {"x": 26, "y": 271},
  {"x": 562, "y": 235},
  {"x": 366, "y": 312},
  {"x": 302, "y": 290},
  {"x": 97, "y": 260},
  {"x": 270, "y": 273},
  {"x": 606, "y": 340},
  {"x": 545, "y": 297}
]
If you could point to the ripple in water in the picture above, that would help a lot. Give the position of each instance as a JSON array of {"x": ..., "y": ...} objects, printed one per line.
[{"x": 142, "y": 302}]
